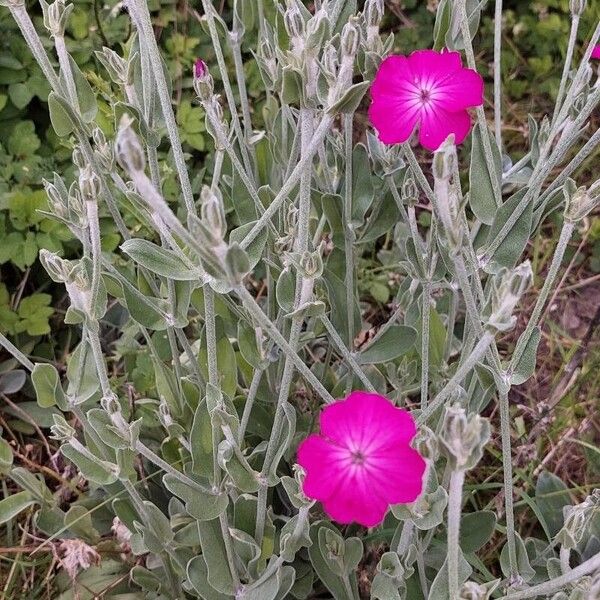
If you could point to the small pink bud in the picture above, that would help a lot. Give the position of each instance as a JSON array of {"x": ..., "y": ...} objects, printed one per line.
[
  {"x": 200, "y": 68},
  {"x": 596, "y": 52}
]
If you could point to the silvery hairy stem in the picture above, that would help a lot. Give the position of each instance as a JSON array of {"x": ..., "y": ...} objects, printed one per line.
[
  {"x": 14, "y": 351},
  {"x": 457, "y": 479},
  {"x": 209, "y": 11},
  {"x": 559, "y": 252},
  {"x": 141, "y": 19},
  {"x": 348, "y": 229},
  {"x": 304, "y": 287},
  {"x": 498, "y": 73},
  {"x": 558, "y": 583},
  {"x": 481, "y": 120}
]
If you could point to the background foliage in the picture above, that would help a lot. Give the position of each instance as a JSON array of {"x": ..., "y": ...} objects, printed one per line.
[{"x": 32, "y": 307}]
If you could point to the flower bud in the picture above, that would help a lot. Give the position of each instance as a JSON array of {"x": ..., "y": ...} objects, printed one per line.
[
  {"x": 79, "y": 288},
  {"x": 110, "y": 403},
  {"x": 213, "y": 213},
  {"x": 115, "y": 65},
  {"x": 128, "y": 149},
  {"x": 410, "y": 191},
  {"x": 508, "y": 289},
  {"x": 577, "y": 520},
  {"x": 463, "y": 437},
  {"x": 103, "y": 150},
  {"x": 237, "y": 263},
  {"x": 58, "y": 197},
  {"x": 78, "y": 157},
  {"x": 311, "y": 264},
  {"x": 293, "y": 488},
  {"x": 61, "y": 430},
  {"x": 477, "y": 591},
  {"x": 330, "y": 63},
  {"x": 203, "y": 81},
  {"x": 294, "y": 21},
  {"x": 579, "y": 102},
  {"x": 373, "y": 12},
  {"x": 317, "y": 30},
  {"x": 350, "y": 38},
  {"x": 89, "y": 184},
  {"x": 267, "y": 61},
  {"x": 56, "y": 16},
  {"x": 77, "y": 210},
  {"x": 577, "y": 7},
  {"x": 444, "y": 160},
  {"x": 579, "y": 202},
  {"x": 57, "y": 268}
]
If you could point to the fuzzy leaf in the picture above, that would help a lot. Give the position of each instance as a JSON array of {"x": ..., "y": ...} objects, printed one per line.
[
  {"x": 481, "y": 196},
  {"x": 159, "y": 260},
  {"x": 511, "y": 248},
  {"x": 11, "y": 506},
  {"x": 396, "y": 341}
]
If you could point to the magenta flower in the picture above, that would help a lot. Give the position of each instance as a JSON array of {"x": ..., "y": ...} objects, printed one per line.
[
  {"x": 200, "y": 68},
  {"x": 596, "y": 52},
  {"x": 361, "y": 462},
  {"x": 429, "y": 89}
]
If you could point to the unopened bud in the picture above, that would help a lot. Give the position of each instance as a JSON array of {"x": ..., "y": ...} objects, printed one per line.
[
  {"x": 579, "y": 102},
  {"x": 57, "y": 268},
  {"x": 331, "y": 63},
  {"x": 213, "y": 213},
  {"x": 444, "y": 160},
  {"x": 89, "y": 184},
  {"x": 128, "y": 149},
  {"x": 110, "y": 403},
  {"x": 61, "y": 430},
  {"x": 463, "y": 437},
  {"x": 509, "y": 286},
  {"x": 410, "y": 191},
  {"x": 78, "y": 157},
  {"x": 56, "y": 16},
  {"x": 294, "y": 21},
  {"x": 267, "y": 53},
  {"x": 579, "y": 202},
  {"x": 311, "y": 264},
  {"x": 317, "y": 30},
  {"x": 103, "y": 149},
  {"x": 350, "y": 38},
  {"x": 577, "y": 7},
  {"x": 237, "y": 263},
  {"x": 57, "y": 195},
  {"x": 471, "y": 590},
  {"x": 203, "y": 81},
  {"x": 373, "y": 12},
  {"x": 77, "y": 210},
  {"x": 115, "y": 65}
]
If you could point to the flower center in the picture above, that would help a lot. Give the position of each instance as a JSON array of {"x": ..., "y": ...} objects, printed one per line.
[
  {"x": 358, "y": 458},
  {"x": 425, "y": 95}
]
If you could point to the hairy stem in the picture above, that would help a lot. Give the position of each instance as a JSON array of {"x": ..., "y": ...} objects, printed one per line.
[{"x": 457, "y": 479}]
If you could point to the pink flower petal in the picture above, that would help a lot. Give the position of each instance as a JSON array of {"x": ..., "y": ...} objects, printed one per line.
[
  {"x": 460, "y": 90},
  {"x": 393, "y": 125},
  {"x": 393, "y": 71},
  {"x": 399, "y": 475},
  {"x": 596, "y": 52},
  {"x": 356, "y": 502},
  {"x": 432, "y": 64},
  {"x": 438, "y": 124},
  {"x": 314, "y": 454}
]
